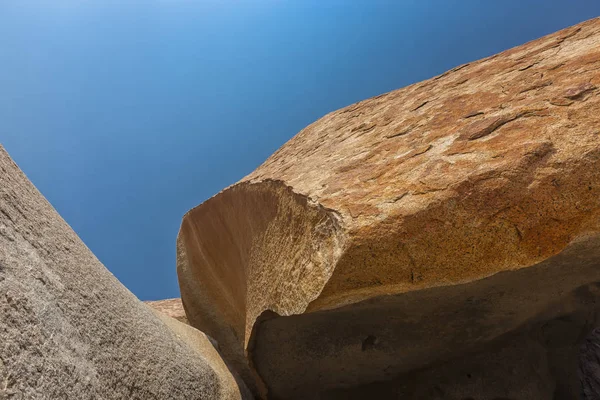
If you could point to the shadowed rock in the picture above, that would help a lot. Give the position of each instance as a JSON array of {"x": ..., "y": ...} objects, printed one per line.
[{"x": 411, "y": 229}]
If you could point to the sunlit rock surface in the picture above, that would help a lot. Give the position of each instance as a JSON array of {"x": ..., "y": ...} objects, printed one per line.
[
  {"x": 415, "y": 228},
  {"x": 171, "y": 307},
  {"x": 70, "y": 330}
]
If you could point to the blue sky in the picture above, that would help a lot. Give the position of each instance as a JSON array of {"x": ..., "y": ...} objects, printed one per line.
[{"x": 125, "y": 114}]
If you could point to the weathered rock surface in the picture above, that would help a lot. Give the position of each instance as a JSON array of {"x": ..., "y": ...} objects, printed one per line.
[
  {"x": 589, "y": 364},
  {"x": 70, "y": 330},
  {"x": 413, "y": 228},
  {"x": 170, "y": 307},
  {"x": 233, "y": 386}
]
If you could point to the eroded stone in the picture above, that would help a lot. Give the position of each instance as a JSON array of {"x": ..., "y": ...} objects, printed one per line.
[{"x": 70, "y": 330}]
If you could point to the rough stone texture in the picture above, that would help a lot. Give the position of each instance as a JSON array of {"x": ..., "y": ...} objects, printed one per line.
[
  {"x": 170, "y": 307},
  {"x": 233, "y": 386},
  {"x": 451, "y": 343},
  {"x": 589, "y": 364},
  {"x": 405, "y": 230},
  {"x": 70, "y": 330}
]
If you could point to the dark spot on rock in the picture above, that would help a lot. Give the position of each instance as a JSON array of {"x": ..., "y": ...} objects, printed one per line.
[
  {"x": 485, "y": 127},
  {"x": 473, "y": 114},
  {"x": 401, "y": 132},
  {"x": 420, "y": 105},
  {"x": 369, "y": 343},
  {"x": 561, "y": 102},
  {"x": 422, "y": 150},
  {"x": 527, "y": 67},
  {"x": 364, "y": 127},
  {"x": 438, "y": 390},
  {"x": 7, "y": 215},
  {"x": 576, "y": 93}
]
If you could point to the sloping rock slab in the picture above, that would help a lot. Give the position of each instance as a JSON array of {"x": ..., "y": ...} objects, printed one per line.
[{"x": 70, "y": 330}]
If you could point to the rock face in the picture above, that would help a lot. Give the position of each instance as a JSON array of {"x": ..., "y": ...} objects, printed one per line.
[
  {"x": 70, "y": 330},
  {"x": 589, "y": 364},
  {"x": 416, "y": 231},
  {"x": 170, "y": 307},
  {"x": 234, "y": 387}
]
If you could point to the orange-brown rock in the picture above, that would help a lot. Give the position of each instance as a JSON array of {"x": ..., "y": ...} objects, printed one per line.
[
  {"x": 170, "y": 307},
  {"x": 408, "y": 229}
]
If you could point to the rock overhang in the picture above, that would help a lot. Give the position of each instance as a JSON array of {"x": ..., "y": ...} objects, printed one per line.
[{"x": 489, "y": 168}]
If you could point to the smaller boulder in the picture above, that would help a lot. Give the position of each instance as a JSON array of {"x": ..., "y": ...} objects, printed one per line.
[
  {"x": 170, "y": 307},
  {"x": 233, "y": 387}
]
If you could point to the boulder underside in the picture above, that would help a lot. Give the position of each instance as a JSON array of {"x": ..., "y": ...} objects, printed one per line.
[{"x": 515, "y": 335}]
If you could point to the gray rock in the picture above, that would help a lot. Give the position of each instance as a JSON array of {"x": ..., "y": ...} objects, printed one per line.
[
  {"x": 70, "y": 330},
  {"x": 589, "y": 366}
]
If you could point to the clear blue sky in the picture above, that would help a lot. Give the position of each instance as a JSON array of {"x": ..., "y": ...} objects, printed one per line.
[{"x": 125, "y": 114}]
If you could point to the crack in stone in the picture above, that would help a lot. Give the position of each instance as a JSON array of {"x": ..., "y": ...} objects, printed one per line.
[
  {"x": 536, "y": 86},
  {"x": 421, "y": 105},
  {"x": 480, "y": 129},
  {"x": 419, "y": 152},
  {"x": 403, "y": 132}
]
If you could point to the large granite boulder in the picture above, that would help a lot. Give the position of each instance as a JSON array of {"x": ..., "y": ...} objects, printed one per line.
[
  {"x": 407, "y": 231},
  {"x": 70, "y": 330}
]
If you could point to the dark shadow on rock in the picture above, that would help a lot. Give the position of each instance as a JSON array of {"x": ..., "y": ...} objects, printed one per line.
[{"x": 515, "y": 335}]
